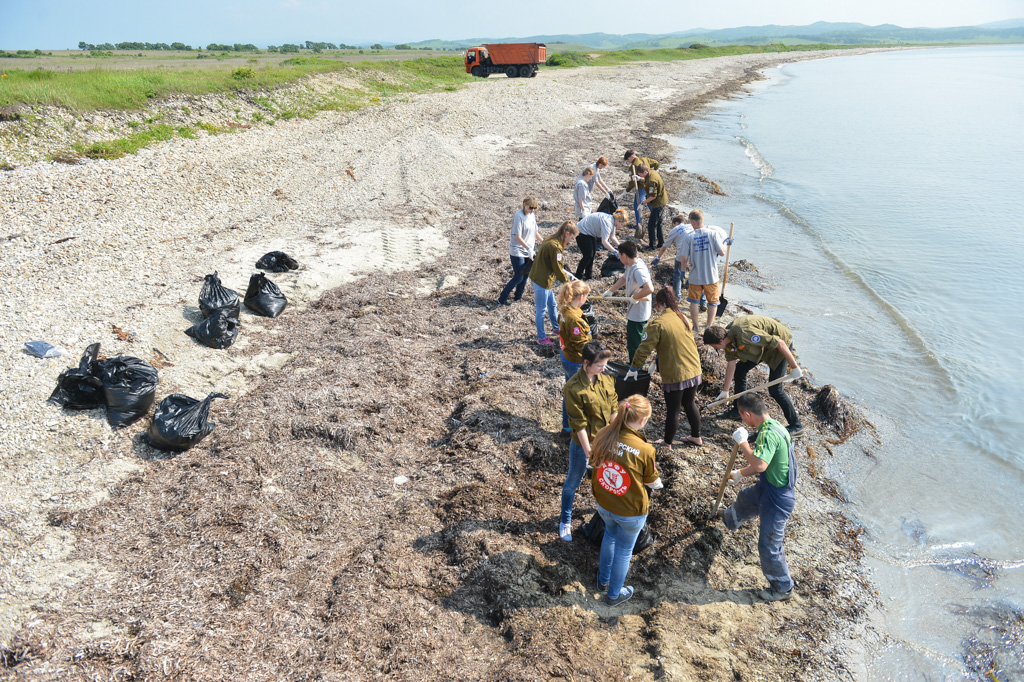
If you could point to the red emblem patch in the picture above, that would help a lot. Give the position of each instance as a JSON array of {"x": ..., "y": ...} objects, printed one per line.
[{"x": 613, "y": 478}]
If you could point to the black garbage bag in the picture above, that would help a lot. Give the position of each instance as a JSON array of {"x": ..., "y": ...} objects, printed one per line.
[
  {"x": 608, "y": 204},
  {"x": 639, "y": 386},
  {"x": 612, "y": 266},
  {"x": 180, "y": 422},
  {"x": 263, "y": 297},
  {"x": 277, "y": 261},
  {"x": 215, "y": 296},
  {"x": 219, "y": 330},
  {"x": 129, "y": 388},
  {"x": 593, "y": 531},
  {"x": 80, "y": 388}
]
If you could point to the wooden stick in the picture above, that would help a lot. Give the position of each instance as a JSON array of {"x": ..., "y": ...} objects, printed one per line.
[
  {"x": 617, "y": 298},
  {"x": 749, "y": 390},
  {"x": 728, "y": 249},
  {"x": 725, "y": 479}
]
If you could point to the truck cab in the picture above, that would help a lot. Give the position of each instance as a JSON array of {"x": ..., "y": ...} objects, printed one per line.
[{"x": 477, "y": 57}]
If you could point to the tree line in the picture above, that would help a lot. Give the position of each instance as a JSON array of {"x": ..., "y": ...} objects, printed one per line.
[{"x": 217, "y": 47}]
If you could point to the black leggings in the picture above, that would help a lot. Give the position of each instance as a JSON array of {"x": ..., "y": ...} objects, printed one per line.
[
  {"x": 686, "y": 399},
  {"x": 588, "y": 248},
  {"x": 743, "y": 367}
]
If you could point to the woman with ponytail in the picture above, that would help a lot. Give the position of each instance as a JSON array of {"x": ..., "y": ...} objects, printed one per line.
[
  {"x": 670, "y": 335},
  {"x": 623, "y": 463},
  {"x": 573, "y": 331},
  {"x": 549, "y": 266}
]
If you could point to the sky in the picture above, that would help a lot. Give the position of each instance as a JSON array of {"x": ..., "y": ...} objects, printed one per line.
[{"x": 61, "y": 24}]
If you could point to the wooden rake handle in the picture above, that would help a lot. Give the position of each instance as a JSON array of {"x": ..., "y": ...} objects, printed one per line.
[
  {"x": 730, "y": 398},
  {"x": 725, "y": 479},
  {"x": 728, "y": 250}
]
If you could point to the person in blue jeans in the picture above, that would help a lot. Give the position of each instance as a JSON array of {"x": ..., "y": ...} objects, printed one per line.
[
  {"x": 548, "y": 267},
  {"x": 521, "y": 248},
  {"x": 623, "y": 463},
  {"x": 772, "y": 498},
  {"x": 590, "y": 402}
]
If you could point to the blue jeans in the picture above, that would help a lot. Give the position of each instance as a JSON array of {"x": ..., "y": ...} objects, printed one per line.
[
  {"x": 570, "y": 369},
  {"x": 544, "y": 299},
  {"x": 520, "y": 275},
  {"x": 577, "y": 469},
  {"x": 620, "y": 533},
  {"x": 637, "y": 198},
  {"x": 773, "y": 506},
  {"x": 678, "y": 280}
]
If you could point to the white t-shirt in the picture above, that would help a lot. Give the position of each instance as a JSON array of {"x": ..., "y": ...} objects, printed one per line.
[
  {"x": 637, "y": 275},
  {"x": 677, "y": 238},
  {"x": 701, "y": 249},
  {"x": 581, "y": 193},
  {"x": 597, "y": 225},
  {"x": 526, "y": 227}
]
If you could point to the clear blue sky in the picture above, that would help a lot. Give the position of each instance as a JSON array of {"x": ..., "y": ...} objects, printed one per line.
[{"x": 61, "y": 24}]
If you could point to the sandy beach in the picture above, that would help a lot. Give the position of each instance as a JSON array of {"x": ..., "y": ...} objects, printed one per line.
[{"x": 282, "y": 546}]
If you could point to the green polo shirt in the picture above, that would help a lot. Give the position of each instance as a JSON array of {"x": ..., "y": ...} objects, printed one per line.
[{"x": 772, "y": 447}]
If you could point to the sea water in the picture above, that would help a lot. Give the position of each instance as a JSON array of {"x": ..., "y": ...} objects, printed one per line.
[{"x": 882, "y": 197}]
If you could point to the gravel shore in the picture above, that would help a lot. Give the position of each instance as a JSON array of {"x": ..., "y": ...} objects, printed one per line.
[{"x": 124, "y": 245}]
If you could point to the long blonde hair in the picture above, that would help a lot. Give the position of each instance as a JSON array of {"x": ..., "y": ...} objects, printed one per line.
[
  {"x": 606, "y": 443},
  {"x": 566, "y": 229},
  {"x": 570, "y": 290}
]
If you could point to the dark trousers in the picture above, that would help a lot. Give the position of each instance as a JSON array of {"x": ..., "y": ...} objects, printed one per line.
[
  {"x": 776, "y": 392},
  {"x": 654, "y": 234},
  {"x": 520, "y": 274},
  {"x": 685, "y": 399},
  {"x": 588, "y": 248}
]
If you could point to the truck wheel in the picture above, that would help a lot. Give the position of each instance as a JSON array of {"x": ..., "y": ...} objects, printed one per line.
[
  {"x": 525, "y": 71},
  {"x": 477, "y": 71},
  {"x": 511, "y": 71},
  {"x": 534, "y": 74}
]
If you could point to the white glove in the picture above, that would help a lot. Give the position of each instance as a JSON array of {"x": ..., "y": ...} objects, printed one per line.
[
  {"x": 607, "y": 293},
  {"x": 631, "y": 374},
  {"x": 795, "y": 373},
  {"x": 722, "y": 396},
  {"x": 572, "y": 277},
  {"x": 657, "y": 485},
  {"x": 735, "y": 476},
  {"x": 740, "y": 435}
]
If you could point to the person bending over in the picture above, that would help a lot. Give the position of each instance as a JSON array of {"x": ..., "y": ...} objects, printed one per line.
[
  {"x": 549, "y": 266},
  {"x": 594, "y": 228}
]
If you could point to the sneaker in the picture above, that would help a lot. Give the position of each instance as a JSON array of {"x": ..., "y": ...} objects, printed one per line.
[
  {"x": 731, "y": 413},
  {"x": 703, "y": 307},
  {"x": 546, "y": 342},
  {"x": 565, "y": 531},
  {"x": 795, "y": 431},
  {"x": 601, "y": 587},
  {"x": 624, "y": 595},
  {"x": 775, "y": 595},
  {"x": 501, "y": 302}
]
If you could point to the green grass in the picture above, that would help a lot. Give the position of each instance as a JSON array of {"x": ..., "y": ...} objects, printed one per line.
[
  {"x": 615, "y": 57},
  {"x": 115, "y": 149}
]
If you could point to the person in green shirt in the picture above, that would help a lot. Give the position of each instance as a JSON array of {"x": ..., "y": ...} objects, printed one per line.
[{"x": 772, "y": 498}]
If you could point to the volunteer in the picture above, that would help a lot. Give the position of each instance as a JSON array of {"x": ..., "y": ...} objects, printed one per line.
[
  {"x": 548, "y": 267},
  {"x": 701, "y": 250},
  {"x": 748, "y": 341},
  {"x": 639, "y": 287},
  {"x": 623, "y": 463},
  {"x": 772, "y": 498},
  {"x": 573, "y": 331},
  {"x": 581, "y": 197},
  {"x": 656, "y": 201},
  {"x": 632, "y": 161},
  {"x": 596, "y": 180},
  {"x": 521, "y": 249},
  {"x": 594, "y": 228},
  {"x": 670, "y": 335},
  {"x": 590, "y": 401}
]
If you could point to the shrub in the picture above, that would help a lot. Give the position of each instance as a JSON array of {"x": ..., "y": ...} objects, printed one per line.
[
  {"x": 243, "y": 73},
  {"x": 698, "y": 46},
  {"x": 568, "y": 59}
]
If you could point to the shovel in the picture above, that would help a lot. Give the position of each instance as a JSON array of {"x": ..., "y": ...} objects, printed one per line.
[
  {"x": 788, "y": 377},
  {"x": 722, "y": 301},
  {"x": 725, "y": 480}
]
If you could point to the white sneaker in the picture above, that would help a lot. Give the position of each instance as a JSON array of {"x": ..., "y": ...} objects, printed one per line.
[{"x": 565, "y": 531}]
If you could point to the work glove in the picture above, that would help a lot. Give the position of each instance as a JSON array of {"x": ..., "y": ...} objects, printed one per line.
[
  {"x": 615, "y": 252},
  {"x": 631, "y": 374},
  {"x": 728, "y": 241},
  {"x": 607, "y": 293},
  {"x": 655, "y": 261},
  {"x": 740, "y": 435},
  {"x": 795, "y": 373},
  {"x": 735, "y": 476},
  {"x": 722, "y": 396},
  {"x": 657, "y": 485},
  {"x": 572, "y": 277}
]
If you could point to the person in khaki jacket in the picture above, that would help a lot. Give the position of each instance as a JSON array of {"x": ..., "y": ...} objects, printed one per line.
[
  {"x": 656, "y": 201},
  {"x": 547, "y": 267},
  {"x": 573, "y": 331},
  {"x": 670, "y": 335},
  {"x": 590, "y": 400},
  {"x": 632, "y": 162}
]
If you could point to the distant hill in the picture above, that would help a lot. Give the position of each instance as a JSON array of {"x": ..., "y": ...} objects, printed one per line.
[{"x": 1008, "y": 31}]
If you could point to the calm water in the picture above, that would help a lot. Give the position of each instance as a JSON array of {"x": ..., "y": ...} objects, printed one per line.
[{"x": 882, "y": 196}]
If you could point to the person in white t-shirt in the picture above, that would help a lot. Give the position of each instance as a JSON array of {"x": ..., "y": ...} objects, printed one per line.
[
  {"x": 639, "y": 287},
  {"x": 597, "y": 228},
  {"x": 596, "y": 181},
  {"x": 701, "y": 250},
  {"x": 581, "y": 197},
  {"x": 521, "y": 249}
]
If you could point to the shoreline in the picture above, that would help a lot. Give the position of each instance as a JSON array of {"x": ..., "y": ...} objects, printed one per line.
[{"x": 309, "y": 427}]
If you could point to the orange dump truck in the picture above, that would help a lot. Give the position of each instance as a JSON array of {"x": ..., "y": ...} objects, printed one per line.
[{"x": 515, "y": 60}]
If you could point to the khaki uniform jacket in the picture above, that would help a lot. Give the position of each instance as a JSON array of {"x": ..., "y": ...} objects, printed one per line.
[
  {"x": 618, "y": 484},
  {"x": 590, "y": 406},
  {"x": 573, "y": 333},
  {"x": 755, "y": 338},
  {"x": 656, "y": 189},
  {"x": 647, "y": 161},
  {"x": 547, "y": 266},
  {"x": 671, "y": 339}
]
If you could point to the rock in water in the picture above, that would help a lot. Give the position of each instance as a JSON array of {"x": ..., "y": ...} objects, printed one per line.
[{"x": 835, "y": 411}]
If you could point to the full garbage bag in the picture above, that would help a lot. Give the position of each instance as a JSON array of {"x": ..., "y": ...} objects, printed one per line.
[
  {"x": 180, "y": 422},
  {"x": 277, "y": 261},
  {"x": 608, "y": 204},
  {"x": 612, "y": 266},
  {"x": 80, "y": 388},
  {"x": 219, "y": 330},
  {"x": 263, "y": 297},
  {"x": 215, "y": 296},
  {"x": 129, "y": 388}
]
